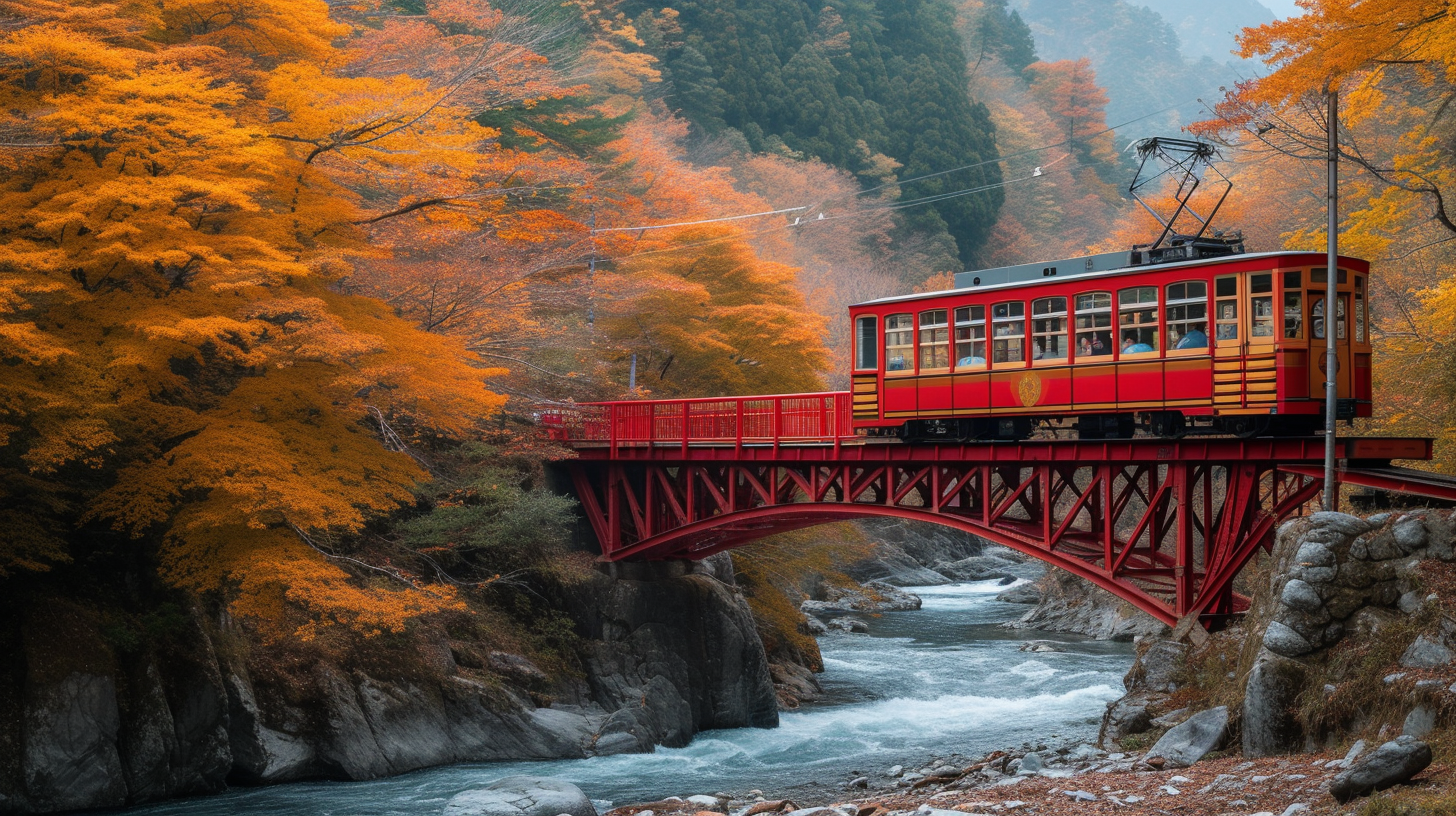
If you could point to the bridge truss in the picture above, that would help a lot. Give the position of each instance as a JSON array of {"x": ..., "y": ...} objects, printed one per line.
[{"x": 1164, "y": 524}]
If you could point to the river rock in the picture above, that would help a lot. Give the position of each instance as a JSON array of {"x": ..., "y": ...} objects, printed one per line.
[
  {"x": 1026, "y": 593},
  {"x": 1389, "y": 765},
  {"x": 1189, "y": 742},
  {"x": 905, "y": 552},
  {"x": 848, "y": 624},
  {"x": 522, "y": 796},
  {"x": 1074, "y": 605},
  {"x": 1041, "y": 646},
  {"x": 978, "y": 568}
]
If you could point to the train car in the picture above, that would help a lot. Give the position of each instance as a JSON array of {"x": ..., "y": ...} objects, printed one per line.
[{"x": 1113, "y": 347}]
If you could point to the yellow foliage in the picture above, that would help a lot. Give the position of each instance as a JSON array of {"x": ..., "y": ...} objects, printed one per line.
[{"x": 181, "y": 194}]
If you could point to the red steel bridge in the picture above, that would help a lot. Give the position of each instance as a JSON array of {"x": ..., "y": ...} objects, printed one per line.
[{"x": 1164, "y": 523}]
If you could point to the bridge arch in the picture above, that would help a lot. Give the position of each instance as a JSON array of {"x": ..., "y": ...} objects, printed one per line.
[{"x": 1164, "y": 533}]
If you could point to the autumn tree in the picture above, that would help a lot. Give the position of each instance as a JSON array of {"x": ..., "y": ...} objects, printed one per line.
[{"x": 184, "y": 187}]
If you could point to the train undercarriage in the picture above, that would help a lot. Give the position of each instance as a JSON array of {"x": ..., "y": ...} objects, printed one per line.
[{"x": 1143, "y": 424}]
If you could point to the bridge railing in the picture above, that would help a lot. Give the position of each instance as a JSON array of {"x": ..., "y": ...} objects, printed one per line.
[{"x": 760, "y": 420}]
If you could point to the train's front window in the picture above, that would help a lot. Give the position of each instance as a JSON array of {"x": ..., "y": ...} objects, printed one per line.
[
  {"x": 900, "y": 343},
  {"x": 1008, "y": 332},
  {"x": 866, "y": 350},
  {"x": 970, "y": 337}
]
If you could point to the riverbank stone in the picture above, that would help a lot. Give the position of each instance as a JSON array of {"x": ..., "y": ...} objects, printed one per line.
[
  {"x": 1193, "y": 739},
  {"x": 1387, "y": 766},
  {"x": 522, "y": 796}
]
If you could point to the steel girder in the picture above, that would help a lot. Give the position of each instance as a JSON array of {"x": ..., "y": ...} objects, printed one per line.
[{"x": 1168, "y": 537}]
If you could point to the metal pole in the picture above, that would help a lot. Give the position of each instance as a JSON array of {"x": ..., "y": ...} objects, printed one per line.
[
  {"x": 632, "y": 376},
  {"x": 1330, "y": 498}
]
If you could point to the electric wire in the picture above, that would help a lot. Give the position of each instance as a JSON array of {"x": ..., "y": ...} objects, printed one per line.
[{"x": 902, "y": 182}]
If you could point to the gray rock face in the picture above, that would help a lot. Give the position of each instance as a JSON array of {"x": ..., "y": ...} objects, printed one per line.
[
  {"x": 1389, "y": 765},
  {"x": 906, "y": 552},
  {"x": 71, "y": 760},
  {"x": 977, "y": 568},
  {"x": 522, "y": 796},
  {"x": 1269, "y": 725},
  {"x": 1076, "y": 606},
  {"x": 670, "y": 652},
  {"x": 1189, "y": 742}
]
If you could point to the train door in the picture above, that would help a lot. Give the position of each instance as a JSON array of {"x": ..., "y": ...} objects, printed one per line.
[
  {"x": 1229, "y": 337},
  {"x": 1260, "y": 371},
  {"x": 1318, "y": 336}
]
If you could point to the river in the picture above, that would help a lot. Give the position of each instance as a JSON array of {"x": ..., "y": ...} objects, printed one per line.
[{"x": 939, "y": 681}]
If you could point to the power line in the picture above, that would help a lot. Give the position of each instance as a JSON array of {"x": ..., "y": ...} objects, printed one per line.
[
  {"x": 901, "y": 182},
  {"x": 704, "y": 221}
]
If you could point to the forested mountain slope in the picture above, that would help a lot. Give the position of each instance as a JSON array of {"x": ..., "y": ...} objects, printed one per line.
[{"x": 869, "y": 86}]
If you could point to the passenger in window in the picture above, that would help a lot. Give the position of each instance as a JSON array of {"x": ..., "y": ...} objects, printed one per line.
[
  {"x": 895, "y": 364},
  {"x": 1094, "y": 347},
  {"x": 1195, "y": 338},
  {"x": 1130, "y": 344},
  {"x": 970, "y": 361}
]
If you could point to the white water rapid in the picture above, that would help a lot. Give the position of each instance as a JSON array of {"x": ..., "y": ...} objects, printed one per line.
[{"x": 944, "y": 680}]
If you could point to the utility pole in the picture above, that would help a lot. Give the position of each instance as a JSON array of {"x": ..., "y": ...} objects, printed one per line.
[{"x": 1331, "y": 498}]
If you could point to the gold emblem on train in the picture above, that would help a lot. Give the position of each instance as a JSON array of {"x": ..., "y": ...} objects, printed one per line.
[{"x": 1028, "y": 389}]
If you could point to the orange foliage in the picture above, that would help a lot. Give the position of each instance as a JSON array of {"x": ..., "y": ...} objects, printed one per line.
[{"x": 184, "y": 185}]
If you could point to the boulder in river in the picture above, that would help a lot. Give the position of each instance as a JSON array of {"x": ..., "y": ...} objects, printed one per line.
[
  {"x": 1026, "y": 593},
  {"x": 1387, "y": 766},
  {"x": 848, "y": 624},
  {"x": 1041, "y": 646},
  {"x": 1189, "y": 742},
  {"x": 522, "y": 796}
]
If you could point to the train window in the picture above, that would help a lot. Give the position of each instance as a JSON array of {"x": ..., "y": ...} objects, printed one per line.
[
  {"x": 1137, "y": 320},
  {"x": 1340, "y": 333},
  {"x": 1321, "y": 276},
  {"x": 1094, "y": 324},
  {"x": 1317, "y": 318},
  {"x": 866, "y": 350},
  {"x": 1008, "y": 332},
  {"x": 899, "y": 343},
  {"x": 970, "y": 337},
  {"x": 1187, "y": 313},
  {"x": 934, "y": 340},
  {"x": 1293, "y": 314},
  {"x": 1049, "y": 329},
  {"x": 1261, "y": 305},
  {"x": 1359, "y": 309},
  {"x": 1226, "y": 307}
]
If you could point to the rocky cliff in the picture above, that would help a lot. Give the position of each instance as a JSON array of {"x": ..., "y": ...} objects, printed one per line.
[
  {"x": 1077, "y": 606},
  {"x": 85, "y": 721},
  {"x": 1351, "y": 634}
]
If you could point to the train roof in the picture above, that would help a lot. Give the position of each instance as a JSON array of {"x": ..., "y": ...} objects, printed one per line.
[{"x": 1090, "y": 272}]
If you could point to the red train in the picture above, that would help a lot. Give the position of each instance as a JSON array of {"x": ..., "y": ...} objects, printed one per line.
[{"x": 1232, "y": 344}]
